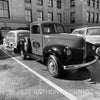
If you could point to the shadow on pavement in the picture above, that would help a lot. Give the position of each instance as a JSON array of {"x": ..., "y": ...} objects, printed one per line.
[
  {"x": 92, "y": 73},
  {"x": 95, "y": 73},
  {"x": 4, "y": 67},
  {"x": 76, "y": 74},
  {"x": 5, "y": 56}
]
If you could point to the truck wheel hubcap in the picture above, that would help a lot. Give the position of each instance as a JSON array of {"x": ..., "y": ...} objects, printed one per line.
[{"x": 52, "y": 66}]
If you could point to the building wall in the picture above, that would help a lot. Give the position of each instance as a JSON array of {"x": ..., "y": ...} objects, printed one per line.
[
  {"x": 47, "y": 9},
  {"x": 17, "y": 13},
  {"x": 16, "y": 19},
  {"x": 80, "y": 10}
]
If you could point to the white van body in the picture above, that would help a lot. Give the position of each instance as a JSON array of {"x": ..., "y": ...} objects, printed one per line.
[{"x": 14, "y": 37}]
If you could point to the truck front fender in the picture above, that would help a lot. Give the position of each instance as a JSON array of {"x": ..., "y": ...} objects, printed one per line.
[{"x": 58, "y": 51}]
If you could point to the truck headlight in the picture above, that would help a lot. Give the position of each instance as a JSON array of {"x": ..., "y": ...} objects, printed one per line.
[{"x": 68, "y": 51}]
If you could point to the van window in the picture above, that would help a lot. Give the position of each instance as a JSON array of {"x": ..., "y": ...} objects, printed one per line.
[
  {"x": 11, "y": 34},
  {"x": 93, "y": 31},
  {"x": 23, "y": 34}
]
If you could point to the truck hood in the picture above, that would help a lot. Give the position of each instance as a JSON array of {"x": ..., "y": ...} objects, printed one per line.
[{"x": 64, "y": 39}]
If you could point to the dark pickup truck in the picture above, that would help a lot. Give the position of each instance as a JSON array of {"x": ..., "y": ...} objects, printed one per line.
[{"x": 60, "y": 51}]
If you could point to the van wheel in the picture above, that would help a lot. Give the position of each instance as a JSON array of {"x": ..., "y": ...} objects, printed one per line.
[
  {"x": 53, "y": 66},
  {"x": 23, "y": 55}
]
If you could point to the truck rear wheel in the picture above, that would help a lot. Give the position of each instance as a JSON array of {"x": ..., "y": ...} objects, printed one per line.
[
  {"x": 53, "y": 66},
  {"x": 23, "y": 55}
]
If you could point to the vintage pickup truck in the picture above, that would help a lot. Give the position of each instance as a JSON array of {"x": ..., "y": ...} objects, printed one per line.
[{"x": 60, "y": 51}]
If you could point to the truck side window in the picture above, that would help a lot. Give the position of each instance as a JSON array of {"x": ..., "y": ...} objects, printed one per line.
[
  {"x": 48, "y": 28},
  {"x": 35, "y": 29},
  {"x": 60, "y": 28}
]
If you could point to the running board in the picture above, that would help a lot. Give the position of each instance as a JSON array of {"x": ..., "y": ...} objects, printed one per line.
[{"x": 36, "y": 57}]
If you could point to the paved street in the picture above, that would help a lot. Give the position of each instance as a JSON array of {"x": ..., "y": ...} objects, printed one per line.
[{"x": 19, "y": 83}]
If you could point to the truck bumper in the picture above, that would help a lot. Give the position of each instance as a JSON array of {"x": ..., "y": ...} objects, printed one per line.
[{"x": 85, "y": 64}]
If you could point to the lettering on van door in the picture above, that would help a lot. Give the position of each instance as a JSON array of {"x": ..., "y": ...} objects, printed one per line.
[{"x": 36, "y": 45}]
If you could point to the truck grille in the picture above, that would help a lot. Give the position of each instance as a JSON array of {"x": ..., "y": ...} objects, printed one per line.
[{"x": 77, "y": 56}]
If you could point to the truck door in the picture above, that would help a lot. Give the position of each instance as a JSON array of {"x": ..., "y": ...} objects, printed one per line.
[{"x": 36, "y": 39}]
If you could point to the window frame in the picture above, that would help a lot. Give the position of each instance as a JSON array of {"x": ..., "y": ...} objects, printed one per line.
[
  {"x": 59, "y": 4},
  {"x": 72, "y": 3},
  {"x": 92, "y": 17},
  {"x": 50, "y": 3},
  {"x": 39, "y": 2},
  {"x": 72, "y": 17},
  {"x": 88, "y": 17},
  {"x": 59, "y": 17},
  {"x": 3, "y": 9},
  {"x": 51, "y": 16},
  {"x": 88, "y": 2},
  {"x": 27, "y": 1},
  {"x": 96, "y": 18},
  {"x": 96, "y": 3},
  {"x": 28, "y": 17},
  {"x": 40, "y": 17}
]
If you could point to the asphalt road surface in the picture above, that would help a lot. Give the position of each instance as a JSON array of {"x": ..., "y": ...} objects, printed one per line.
[{"x": 29, "y": 80}]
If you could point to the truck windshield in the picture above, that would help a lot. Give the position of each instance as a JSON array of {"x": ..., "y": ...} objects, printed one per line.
[
  {"x": 93, "y": 31},
  {"x": 52, "y": 28}
]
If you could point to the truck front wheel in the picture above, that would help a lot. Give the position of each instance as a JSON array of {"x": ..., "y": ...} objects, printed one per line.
[{"x": 53, "y": 66}]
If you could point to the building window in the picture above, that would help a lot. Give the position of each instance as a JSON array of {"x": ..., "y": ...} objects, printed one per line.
[
  {"x": 72, "y": 17},
  {"x": 28, "y": 15},
  {"x": 71, "y": 30},
  {"x": 92, "y": 3},
  {"x": 59, "y": 4},
  {"x": 72, "y": 3},
  {"x": 88, "y": 2},
  {"x": 92, "y": 17},
  {"x": 4, "y": 9},
  {"x": 59, "y": 16},
  {"x": 40, "y": 16},
  {"x": 64, "y": 17},
  {"x": 50, "y": 16},
  {"x": 40, "y": 2},
  {"x": 96, "y": 17},
  {"x": 96, "y": 3},
  {"x": 27, "y": 1},
  {"x": 88, "y": 16},
  {"x": 50, "y": 3}
]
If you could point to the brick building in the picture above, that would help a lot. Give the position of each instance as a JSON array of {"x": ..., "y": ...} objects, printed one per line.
[
  {"x": 80, "y": 13},
  {"x": 71, "y": 13}
]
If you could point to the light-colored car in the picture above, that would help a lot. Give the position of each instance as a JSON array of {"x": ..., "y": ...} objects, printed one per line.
[
  {"x": 91, "y": 34},
  {"x": 13, "y": 39}
]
